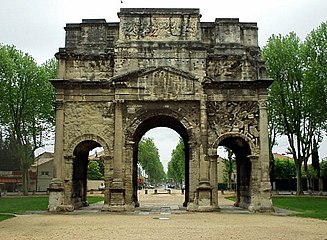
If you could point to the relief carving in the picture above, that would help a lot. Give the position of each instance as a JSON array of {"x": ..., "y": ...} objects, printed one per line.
[
  {"x": 108, "y": 110},
  {"x": 241, "y": 117},
  {"x": 147, "y": 28},
  {"x": 224, "y": 69}
]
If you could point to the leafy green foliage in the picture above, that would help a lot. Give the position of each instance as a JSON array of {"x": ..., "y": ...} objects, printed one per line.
[
  {"x": 148, "y": 157},
  {"x": 297, "y": 98},
  {"x": 176, "y": 166},
  {"x": 26, "y": 97},
  {"x": 229, "y": 168},
  {"x": 284, "y": 169},
  {"x": 323, "y": 168},
  {"x": 94, "y": 171}
]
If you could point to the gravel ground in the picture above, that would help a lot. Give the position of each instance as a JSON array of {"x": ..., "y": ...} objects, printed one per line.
[{"x": 147, "y": 225}]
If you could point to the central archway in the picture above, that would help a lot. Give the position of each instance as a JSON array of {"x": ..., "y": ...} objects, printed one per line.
[{"x": 148, "y": 124}]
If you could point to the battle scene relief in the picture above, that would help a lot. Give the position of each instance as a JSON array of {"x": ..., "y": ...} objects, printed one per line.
[{"x": 235, "y": 116}]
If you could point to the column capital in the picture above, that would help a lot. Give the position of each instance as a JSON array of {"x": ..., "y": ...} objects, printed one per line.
[
  {"x": 59, "y": 104},
  {"x": 263, "y": 104}
]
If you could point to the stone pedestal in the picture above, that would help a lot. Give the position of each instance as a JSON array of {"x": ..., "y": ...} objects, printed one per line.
[
  {"x": 203, "y": 201},
  {"x": 116, "y": 198},
  {"x": 56, "y": 197}
]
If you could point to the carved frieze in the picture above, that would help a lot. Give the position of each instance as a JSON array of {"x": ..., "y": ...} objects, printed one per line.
[
  {"x": 236, "y": 116},
  {"x": 98, "y": 69},
  {"x": 224, "y": 69},
  {"x": 160, "y": 28}
]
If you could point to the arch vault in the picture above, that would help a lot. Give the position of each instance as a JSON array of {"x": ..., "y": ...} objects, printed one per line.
[{"x": 161, "y": 67}]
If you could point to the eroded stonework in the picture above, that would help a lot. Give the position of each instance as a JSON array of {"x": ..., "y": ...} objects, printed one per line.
[{"x": 161, "y": 68}]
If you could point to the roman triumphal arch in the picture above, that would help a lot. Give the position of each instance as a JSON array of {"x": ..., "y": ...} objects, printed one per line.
[{"x": 161, "y": 68}]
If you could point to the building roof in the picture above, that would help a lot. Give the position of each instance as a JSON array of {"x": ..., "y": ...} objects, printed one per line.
[
  {"x": 282, "y": 156},
  {"x": 43, "y": 158}
]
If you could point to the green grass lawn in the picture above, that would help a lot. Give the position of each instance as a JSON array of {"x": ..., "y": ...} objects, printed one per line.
[
  {"x": 307, "y": 206},
  {"x": 18, "y": 205}
]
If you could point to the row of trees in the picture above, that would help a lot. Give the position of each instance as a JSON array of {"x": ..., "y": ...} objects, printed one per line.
[
  {"x": 176, "y": 166},
  {"x": 149, "y": 159},
  {"x": 298, "y": 95},
  {"x": 26, "y": 106}
]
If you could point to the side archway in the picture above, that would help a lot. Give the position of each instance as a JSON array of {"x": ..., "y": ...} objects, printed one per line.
[
  {"x": 79, "y": 154},
  {"x": 244, "y": 150}
]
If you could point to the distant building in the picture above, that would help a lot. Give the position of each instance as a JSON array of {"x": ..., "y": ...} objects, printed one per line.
[
  {"x": 281, "y": 156},
  {"x": 43, "y": 171}
]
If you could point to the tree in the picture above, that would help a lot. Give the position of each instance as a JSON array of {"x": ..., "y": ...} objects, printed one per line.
[
  {"x": 315, "y": 58},
  {"x": 148, "y": 156},
  {"x": 93, "y": 171},
  {"x": 298, "y": 94},
  {"x": 229, "y": 167},
  {"x": 176, "y": 166},
  {"x": 26, "y": 98},
  {"x": 285, "y": 65},
  {"x": 284, "y": 169}
]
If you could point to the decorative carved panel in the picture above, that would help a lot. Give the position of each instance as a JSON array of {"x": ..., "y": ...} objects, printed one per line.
[{"x": 241, "y": 117}]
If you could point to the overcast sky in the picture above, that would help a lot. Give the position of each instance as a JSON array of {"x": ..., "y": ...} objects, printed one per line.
[{"x": 36, "y": 26}]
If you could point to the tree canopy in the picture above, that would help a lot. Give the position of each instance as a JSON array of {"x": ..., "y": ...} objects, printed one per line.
[
  {"x": 297, "y": 97},
  {"x": 176, "y": 166},
  {"x": 149, "y": 159},
  {"x": 26, "y": 98}
]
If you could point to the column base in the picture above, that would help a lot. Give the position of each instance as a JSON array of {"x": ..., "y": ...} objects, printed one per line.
[
  {"x": 203, "y": 201},
  {"x": 56, "y": 195}
]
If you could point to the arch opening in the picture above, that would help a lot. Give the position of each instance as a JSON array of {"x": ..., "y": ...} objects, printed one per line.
[
  {"x": 172, "y": 124},
  {"x": 241, "y": 174},
  {"x": 81, "y": 162}
]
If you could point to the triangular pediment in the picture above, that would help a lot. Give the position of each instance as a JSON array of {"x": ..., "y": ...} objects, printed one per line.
[
  {"x": 133, "y": 75},
  {"x": 157, "y": 83}
]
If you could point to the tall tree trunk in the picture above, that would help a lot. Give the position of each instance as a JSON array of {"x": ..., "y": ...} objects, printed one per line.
[
  {"x": 25, "y": 182},
  {"x": 315, "y": 162},
  {"x": 299, "y": 189}
]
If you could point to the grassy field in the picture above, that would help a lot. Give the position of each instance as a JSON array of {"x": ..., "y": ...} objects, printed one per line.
[
  {"x": 307, "y": 206},
  {"x": 9, "y": 206}
]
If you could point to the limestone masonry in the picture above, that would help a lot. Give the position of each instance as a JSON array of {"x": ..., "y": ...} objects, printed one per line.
[{"x": 161, "y": 68}]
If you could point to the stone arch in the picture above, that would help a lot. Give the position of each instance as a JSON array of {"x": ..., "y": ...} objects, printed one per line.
[
  {"x": 144, "y": 115},
  {"x": 245, "y": 152},
  {"x": 78, "y": 152},
  {"x": 219, "y": 139},
  {"x": 161, "y": 118},
  {"x": 87, "y": 137}
]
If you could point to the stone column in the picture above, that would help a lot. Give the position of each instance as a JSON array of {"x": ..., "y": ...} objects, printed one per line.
[
  {"x": 203, "y": 199},
  {"x": 116, "y": 189},
  {"x": 56, "y": 188},
  {"x": 118, "y": 142},
  {"x": 204, "y": 163},
  {"x": 265, "y": 186},
  {"x": 214, "y": 178},
  {"x": 108, "y": 176},
  {"x": 255, "y": 183},
  {"x": 59, "y": 129}
]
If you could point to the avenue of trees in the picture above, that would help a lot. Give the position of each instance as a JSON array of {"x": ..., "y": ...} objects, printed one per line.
[
  {"x": 26, "y": 106},
  {"x": 298, "y": 95},
  {"x": 176, "y": 166},
  {"x": 149, "y": 159}
]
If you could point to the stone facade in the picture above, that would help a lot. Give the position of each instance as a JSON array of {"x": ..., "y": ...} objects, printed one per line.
[{"x": 161, "y": 68}]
